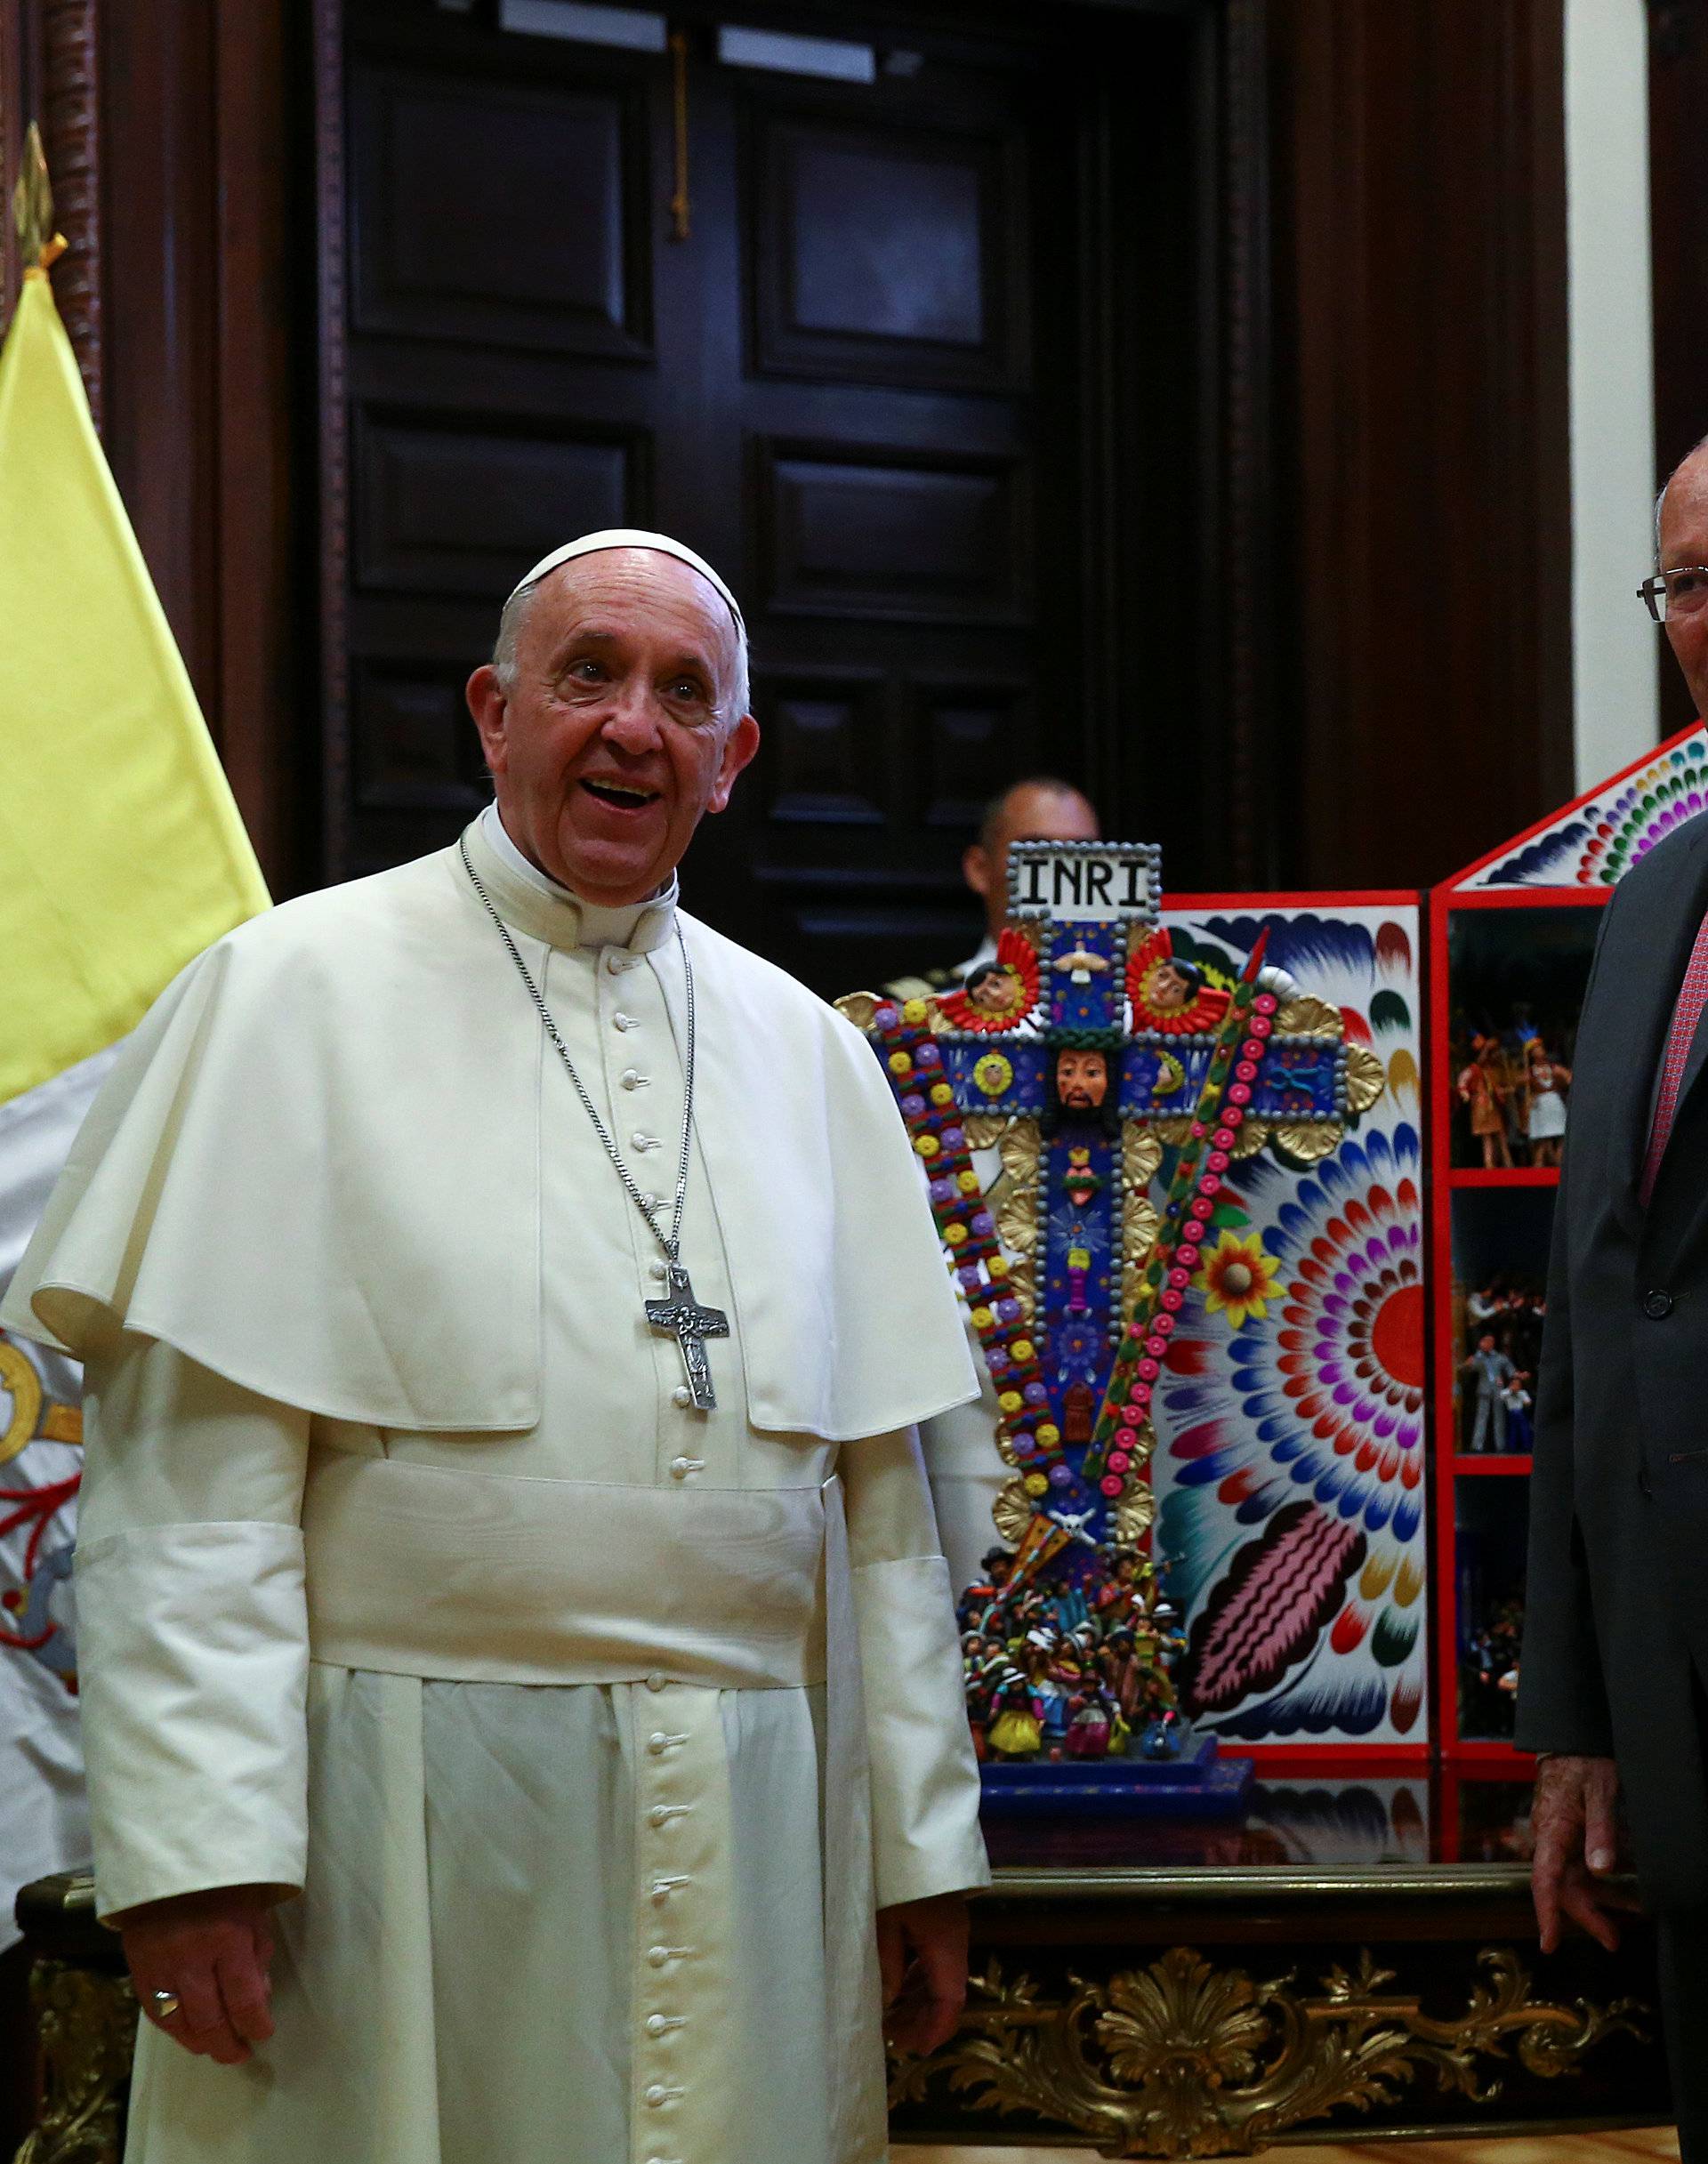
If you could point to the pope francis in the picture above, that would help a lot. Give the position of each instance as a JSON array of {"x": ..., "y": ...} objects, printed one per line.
[{"x": 521, "y": 1695}]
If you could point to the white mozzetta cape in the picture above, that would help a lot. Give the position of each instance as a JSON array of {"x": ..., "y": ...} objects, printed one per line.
[{"x": 299, "y": 1177}]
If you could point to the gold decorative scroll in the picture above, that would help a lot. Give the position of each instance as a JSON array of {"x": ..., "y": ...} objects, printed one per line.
[
  {"x": 1305, "y": 1017},
  {"x": 1182, "y": 2059},
  {"x": 1016, "y": 1207},
  {"x": 86, "y": 2026},
  {"x": 1365, "y": 1079},
  {"x": 1141, "y": 1158},
  {"x": 1311, "y": 1141},
  {"x": 859, "y": 1007}
]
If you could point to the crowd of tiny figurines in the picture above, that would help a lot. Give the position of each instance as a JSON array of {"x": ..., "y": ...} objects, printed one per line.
[
  {"x": 1503, "y": 1322},
  {"x": 1057, "y": 1668}
]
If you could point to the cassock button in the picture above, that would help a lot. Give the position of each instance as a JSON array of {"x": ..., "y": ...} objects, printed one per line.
[
  {"x": 681, "y": 1395},
  {"x": 660, "y": 1269},
  {"x": 656, "y": 1682},
  {"x": 624, "y": 1021},
  {"x": 1657, "y": 1305},
  {"x": 680, "y": 1468},
  {"x": 657, "y": 1957},
  {"x": 632, "y": 1078},
  {"x": 657, "y": 2094},
  {"x": 657, "y": 2025}
]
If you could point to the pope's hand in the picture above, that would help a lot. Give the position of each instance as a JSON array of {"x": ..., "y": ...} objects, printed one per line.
[
  {"x": 210, "y": 1952},
  {"x": 1576, "y": 1846},
  {"x": 922, "y": 1958}
]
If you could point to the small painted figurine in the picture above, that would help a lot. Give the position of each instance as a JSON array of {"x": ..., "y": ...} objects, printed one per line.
[
  {"x": 1493, "y": 1373},
  {"x": 1482, "y": 1087},
  {"x": 1017, "y": 1730},
  {"x": 1547, "y": 1082}
]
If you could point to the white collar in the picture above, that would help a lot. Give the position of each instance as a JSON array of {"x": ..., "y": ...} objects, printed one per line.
[{"x": 552, "y": 912}]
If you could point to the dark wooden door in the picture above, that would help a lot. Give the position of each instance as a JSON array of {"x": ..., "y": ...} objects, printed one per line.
[{"x": 872, "y": 383}]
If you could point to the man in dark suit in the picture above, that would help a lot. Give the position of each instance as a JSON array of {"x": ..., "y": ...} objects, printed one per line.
[{"x": 1616, "y": 1646}]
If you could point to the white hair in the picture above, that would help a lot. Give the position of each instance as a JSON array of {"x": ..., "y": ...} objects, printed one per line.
[
  {"x": 515, "y": 615},
  {"x": 1660, "y": 502}
]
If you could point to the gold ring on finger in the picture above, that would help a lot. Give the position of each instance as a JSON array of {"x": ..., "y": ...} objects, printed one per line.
[{"x": 163, "y": 2005}]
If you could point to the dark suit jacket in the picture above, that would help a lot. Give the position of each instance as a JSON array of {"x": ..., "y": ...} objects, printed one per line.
[{"x": 1616, "y": 1622}]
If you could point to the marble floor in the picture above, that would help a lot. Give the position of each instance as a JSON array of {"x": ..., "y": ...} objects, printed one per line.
[{"x": 1641, "y": 2145}]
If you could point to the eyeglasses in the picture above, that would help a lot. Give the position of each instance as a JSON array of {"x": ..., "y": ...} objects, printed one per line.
[{"x": 1683, "y": 592}]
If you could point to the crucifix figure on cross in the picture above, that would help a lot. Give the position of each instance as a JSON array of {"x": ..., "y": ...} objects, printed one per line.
[{"x": 680, "y": 1317}]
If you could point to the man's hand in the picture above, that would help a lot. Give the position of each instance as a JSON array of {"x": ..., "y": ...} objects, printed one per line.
[
  {"x": 1576, "y": 1842},
  {"x": 922, "y": 1958},
  {"x": 211, "y": 1951}
]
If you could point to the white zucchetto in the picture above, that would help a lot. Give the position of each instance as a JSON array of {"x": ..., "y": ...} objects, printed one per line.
[{"x": 628, "y": 537}]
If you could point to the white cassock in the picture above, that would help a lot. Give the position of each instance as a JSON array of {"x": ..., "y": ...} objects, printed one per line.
[{"x": 408, "y": 1578}]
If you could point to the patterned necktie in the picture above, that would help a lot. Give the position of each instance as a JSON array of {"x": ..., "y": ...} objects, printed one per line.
[{"x": 1693, "y": 997}]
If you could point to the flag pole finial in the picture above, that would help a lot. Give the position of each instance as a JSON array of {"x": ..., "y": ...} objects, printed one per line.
[{"x": 32, "y": 209}]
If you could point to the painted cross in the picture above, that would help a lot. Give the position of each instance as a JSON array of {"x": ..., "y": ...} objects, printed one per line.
[
  {"x": 1095, "y": 1059},
  {"x": 679, "y": 1314}
]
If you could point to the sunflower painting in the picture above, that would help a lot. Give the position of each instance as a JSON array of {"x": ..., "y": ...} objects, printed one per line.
[{"x": 1239, "y": 1280}]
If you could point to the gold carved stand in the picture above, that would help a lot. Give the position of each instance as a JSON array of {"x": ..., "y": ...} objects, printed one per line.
[
  {"x": 85, "y": 2016},
  {"x": 1202, "y": 2012},
  {"x": 1145, "y": 2012}
]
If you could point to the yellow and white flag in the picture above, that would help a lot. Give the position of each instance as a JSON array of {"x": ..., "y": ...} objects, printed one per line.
[{"x": 122, "y": 856}]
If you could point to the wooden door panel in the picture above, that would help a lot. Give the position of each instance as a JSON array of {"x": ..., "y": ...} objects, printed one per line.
[
  {"x": 821, "y": 734},
  {"x": 501, "y": 213},
  {"x": 883, "y": 255},
  {"x": 450, "y": 508},
  {"x": 887, "y": 536},
  {"x": 967, "y": 730},
  {"x": 415, "y": 753}
]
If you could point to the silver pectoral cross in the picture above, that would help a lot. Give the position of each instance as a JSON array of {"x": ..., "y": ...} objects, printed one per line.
[{"x": 680, "y": 1317}]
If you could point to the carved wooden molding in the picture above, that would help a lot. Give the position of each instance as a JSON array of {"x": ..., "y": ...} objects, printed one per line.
[
  {"x": 1247, "y": 541},
  {"x": 331, "y": 213},
  {"x": 71, "y": 132},
  {"x": 87, "y": 2025},
  {"x": 1182, "y": 2059}
]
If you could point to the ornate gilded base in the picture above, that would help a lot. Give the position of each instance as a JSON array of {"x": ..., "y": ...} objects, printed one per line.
[
  {"x": 86, "y": 2018},
  {"x": 1203, "y": 2014},
  {"x": 87, "y": 2025},
  {"x": 1182, "y": 2059}
]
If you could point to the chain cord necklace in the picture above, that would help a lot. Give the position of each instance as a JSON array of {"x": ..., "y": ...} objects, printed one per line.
[{"x": 678, "y": 1314}]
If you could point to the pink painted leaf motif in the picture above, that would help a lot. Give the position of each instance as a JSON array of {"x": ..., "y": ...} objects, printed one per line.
[{"x": 1269, "y": 1611}]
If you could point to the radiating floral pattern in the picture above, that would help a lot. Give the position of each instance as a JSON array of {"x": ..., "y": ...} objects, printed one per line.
[{"x": 1291, "y": 1460}]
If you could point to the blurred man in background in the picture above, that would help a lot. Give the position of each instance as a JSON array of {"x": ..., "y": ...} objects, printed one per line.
[{"x": 1038, "y": 808}]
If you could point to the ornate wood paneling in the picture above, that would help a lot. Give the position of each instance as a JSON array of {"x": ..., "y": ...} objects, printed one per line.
[
  {"x": 449, "y": 509},
  {"x": 415, "y": 750},
  {"x": 820, "y": 734},
  {"x": 891, "y": 257},
  {"x": 501, "y": 213},
  {"x": 965, "y": 730},
  {"x": 869, "y": 533},
  {"x": 71, "y": 137}
]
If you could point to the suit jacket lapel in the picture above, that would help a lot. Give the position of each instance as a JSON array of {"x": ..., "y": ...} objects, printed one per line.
[{"x": 1649, "y": 999}]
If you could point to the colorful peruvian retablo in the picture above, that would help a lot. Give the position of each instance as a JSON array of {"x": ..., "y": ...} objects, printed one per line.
[{"x": 1076, "y": 1105}]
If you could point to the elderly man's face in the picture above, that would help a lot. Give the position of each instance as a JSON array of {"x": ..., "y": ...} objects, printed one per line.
[
  {"x": 609, "y": 746},
  {"x": 1684, "y": 541},
  {"x": 1082, "y": 1079}
]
